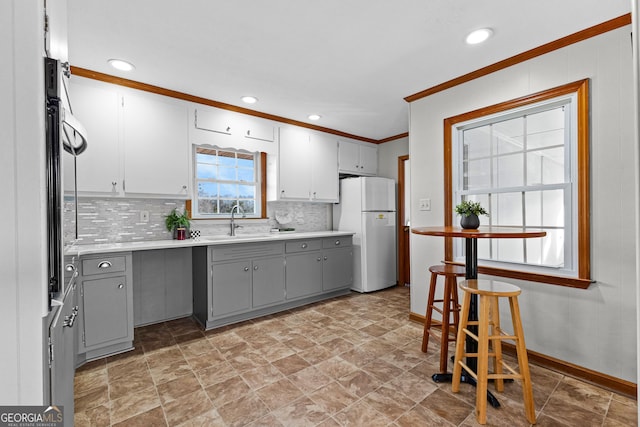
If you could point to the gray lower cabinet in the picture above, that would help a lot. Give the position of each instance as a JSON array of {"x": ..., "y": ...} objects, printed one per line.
[
  {"x": 105, "y": 305},
  {"x": 231, "y": 288},
  {"x": 240, "y": 281},
  {"x": 267, "y": 281},
  {"x": 304, "y": 268},
  {"x": 337, "y": 263},
  {"x": 162, "y": 285},
  {"x": 240, "y": 286}
]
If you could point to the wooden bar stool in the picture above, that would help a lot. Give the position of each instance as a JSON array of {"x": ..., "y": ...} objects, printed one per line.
[
  {"x": 449, "y": 304},
  {"x": 489, "y": 331}
]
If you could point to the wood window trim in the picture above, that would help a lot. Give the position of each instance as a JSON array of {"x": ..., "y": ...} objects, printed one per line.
[
  {"x": 263, "y": 195},
  {"x": 581, "y": 89}
]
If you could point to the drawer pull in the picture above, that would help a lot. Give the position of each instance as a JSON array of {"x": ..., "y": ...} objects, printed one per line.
[
  {"x": 246, "y": 269},
  {"x": 337, "y": 242},
  {"x": 319, "y": 259},
  {"x": 325, "y": 258},
  {"x": 120, "y": 286},
  {"x": 304, "y": 246},
  {"x": 255, "y": 267},
  {"x": 104, "y": 264}
]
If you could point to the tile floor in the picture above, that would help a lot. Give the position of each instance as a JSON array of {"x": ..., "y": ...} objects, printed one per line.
[{"x": 350, "y": 361}]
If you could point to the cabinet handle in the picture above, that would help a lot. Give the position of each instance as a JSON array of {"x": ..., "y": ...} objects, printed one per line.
[
  {"x": 71, "y": 319},
  {"x": 337, "y": 242},
  {"x": 319, "y": 259},
  {"x": 114, "y": 183},
  {"x": 228, "y": 128},
  {"x": 325, "y": 258},
  {"x": 104, "y": 264},
  {"x": 303, "y": 246},
  {"x": 184, "y": 187},
  {"x": 120, "y": 286},
  {"x": 255, "y": 267},
  {"x": 246, "y": 269},
  {"x": 70, "y": 267}
]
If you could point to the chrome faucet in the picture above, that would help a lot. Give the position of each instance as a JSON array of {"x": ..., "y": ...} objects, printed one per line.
[{"x": 233, "y": 225}]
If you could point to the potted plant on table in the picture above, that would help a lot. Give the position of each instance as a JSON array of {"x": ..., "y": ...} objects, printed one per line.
[
  {"x": 469, "y": 212},
  {"x": 176, "y": 222}
]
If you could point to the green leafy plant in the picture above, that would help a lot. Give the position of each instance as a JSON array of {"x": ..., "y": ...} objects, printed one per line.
[
  {"x": 466, "y": 208},
  {"x": 176, "y": 219}
]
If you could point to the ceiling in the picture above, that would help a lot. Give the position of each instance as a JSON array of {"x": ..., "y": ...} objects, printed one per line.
[{"x": 351, "y": 61}]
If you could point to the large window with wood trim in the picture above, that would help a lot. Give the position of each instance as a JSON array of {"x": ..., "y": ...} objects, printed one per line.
[
  {"x": 224, "y": 178},
  {"x": 526, "y": 162}
]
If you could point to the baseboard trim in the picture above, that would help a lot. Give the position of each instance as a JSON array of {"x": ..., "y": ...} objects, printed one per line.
[{"x": 600, "y": 379}]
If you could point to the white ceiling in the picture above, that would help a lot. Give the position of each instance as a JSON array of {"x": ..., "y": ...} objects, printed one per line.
[{"x": 351, "y": 61}]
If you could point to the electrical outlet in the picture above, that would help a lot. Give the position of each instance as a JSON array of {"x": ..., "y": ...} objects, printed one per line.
[
  {"x": 424, "y": 204},
  {"x": 144, "y": 216}
]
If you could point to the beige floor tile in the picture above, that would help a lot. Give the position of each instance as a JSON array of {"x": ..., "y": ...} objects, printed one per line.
[
  {"x": 279, "y": 394},
  {"x": 243, "y": 411},
  {"x": 349, "y": 361},
  {"x": 134, "y": 404}
]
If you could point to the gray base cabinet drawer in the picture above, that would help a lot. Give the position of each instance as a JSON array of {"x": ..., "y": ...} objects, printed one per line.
[
  {"x": 103, "y": 265},
  {"x": 303, "y": 246},
  {"x": 336, "y": 242}
]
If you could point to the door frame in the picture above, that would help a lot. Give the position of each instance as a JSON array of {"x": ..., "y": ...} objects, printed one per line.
[{"x": 402, "y": 262}]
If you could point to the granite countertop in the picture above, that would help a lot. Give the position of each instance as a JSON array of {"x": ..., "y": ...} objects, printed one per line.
[{"x": 201, "y": 241}]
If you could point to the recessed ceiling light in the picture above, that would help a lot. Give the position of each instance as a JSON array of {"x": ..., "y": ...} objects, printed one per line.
[
  {"x": 249, "y": 99},
  {"x": 121, "y": 65},
  {"x": 478, "y": 36},
  {"x": 314, "y": 116}
]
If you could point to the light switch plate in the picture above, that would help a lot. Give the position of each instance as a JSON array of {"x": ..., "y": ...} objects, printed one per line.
[{"x": 424, "y": 204}]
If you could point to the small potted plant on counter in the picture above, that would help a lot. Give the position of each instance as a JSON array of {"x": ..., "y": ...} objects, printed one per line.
[
  {"x": 469, "y": 212},
  {"x": 178, "y": 224}
]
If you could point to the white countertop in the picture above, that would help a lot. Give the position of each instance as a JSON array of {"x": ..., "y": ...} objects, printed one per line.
[{"x": 201, "y": 241}]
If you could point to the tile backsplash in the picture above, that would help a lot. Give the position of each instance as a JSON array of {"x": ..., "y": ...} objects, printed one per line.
[{"x": 103, "y": 220}]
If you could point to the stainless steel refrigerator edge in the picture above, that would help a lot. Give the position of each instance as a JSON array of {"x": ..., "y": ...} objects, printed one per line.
[{"x": 368, "y": 208}]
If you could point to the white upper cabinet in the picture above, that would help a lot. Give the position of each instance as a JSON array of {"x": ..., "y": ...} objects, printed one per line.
[
  {"x": 307, "y": 166},
  {"x": 358, "y": 158},
  {"x": 294, "y": 178},
  {"x": 228, "y": 127},
  {"x": 260, "y": 131},
  {"x": 323, "y": 158},
  {"x": 213, "y": 121},
  {"x": 156, "y": 152},
  {"x": 137, "y": 143},
  {"x": 97, "y": 168}
]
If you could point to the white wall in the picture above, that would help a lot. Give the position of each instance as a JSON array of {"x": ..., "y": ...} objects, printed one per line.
[
  {"x": 593, "y": 328},
  {"x": 22, "y": 173},
  {"x": 388, "y": 154}
]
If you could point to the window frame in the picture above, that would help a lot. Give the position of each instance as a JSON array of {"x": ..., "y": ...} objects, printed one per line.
[
  {"x": 583, "y": 257},
  {"x": 260, "y": 183}
]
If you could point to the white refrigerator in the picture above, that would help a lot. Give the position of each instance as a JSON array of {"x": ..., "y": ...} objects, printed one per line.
[{"x": 368, "y": 208}]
